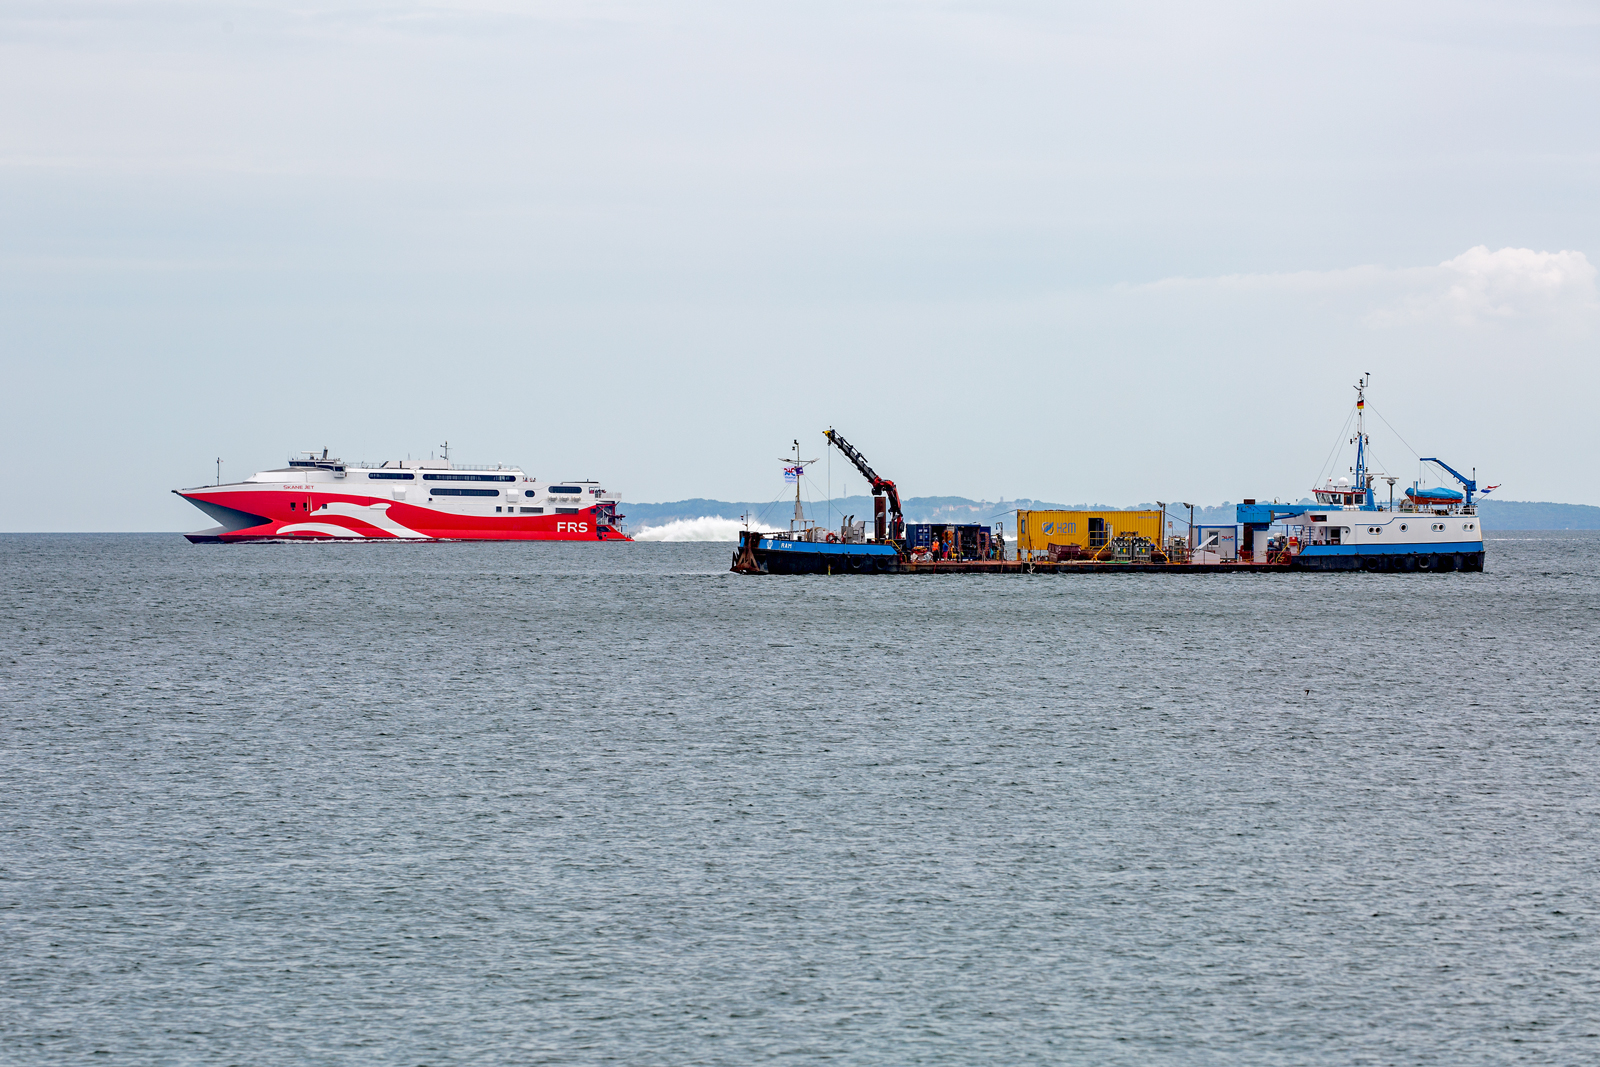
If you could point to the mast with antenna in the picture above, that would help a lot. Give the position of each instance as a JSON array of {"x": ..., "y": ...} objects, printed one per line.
[
  {"x": 799, "y": 468},
  {"x": 1363, "y": 480}
]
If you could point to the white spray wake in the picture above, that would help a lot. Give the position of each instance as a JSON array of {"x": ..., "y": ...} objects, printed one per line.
[{"x": 705, "y": 528}]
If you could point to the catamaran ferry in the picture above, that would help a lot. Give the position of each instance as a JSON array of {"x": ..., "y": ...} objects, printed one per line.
[{"x": 320, "y": 497}]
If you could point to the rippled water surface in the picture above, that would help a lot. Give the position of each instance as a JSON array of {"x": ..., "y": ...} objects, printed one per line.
[{"x": 450, "y": 803}]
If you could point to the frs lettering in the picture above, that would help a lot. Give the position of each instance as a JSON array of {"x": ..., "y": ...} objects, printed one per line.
[{"x": 572, "y": 527}]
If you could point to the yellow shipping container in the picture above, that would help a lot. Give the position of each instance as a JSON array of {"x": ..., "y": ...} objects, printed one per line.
[{"x": 1037, "y": 530}]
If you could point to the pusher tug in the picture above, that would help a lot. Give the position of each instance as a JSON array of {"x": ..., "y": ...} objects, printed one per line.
[{"x": 323, "y": 498}]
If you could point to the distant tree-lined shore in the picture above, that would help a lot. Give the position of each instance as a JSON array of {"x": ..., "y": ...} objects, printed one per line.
[{"x": 1494, "y": 514}]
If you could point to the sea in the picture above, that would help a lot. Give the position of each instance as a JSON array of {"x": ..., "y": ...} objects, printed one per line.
[{"x": 612, "y": 804}]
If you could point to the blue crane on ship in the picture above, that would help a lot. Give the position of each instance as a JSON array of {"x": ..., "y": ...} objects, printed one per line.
[
  {"x": 1421, "y": 496},
  {"x": 1469, "y": 484}
]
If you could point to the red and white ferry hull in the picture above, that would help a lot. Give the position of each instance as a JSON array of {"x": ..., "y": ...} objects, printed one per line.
[{"x": 329, "y": 502}]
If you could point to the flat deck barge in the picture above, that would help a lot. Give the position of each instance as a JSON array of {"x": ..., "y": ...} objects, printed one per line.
[
  {"x": 762, "y": 553},
  {"x": 1345, "y": 528},
  {"x": 1011, "y": 566}
]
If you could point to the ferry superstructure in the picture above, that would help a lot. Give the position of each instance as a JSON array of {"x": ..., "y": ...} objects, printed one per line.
[{"x": 320, "y": 497}]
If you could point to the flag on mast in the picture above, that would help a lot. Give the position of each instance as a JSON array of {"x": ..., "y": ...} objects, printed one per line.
[{"x": 792, "y": 474}]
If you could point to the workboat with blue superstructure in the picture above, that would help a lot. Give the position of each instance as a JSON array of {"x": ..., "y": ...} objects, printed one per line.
[{"x": 1348, "y": 529}]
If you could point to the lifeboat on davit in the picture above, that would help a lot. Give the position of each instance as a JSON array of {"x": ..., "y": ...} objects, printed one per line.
[
  {"x": 1433, "y": 497},
  {"x": 322, "y": 498}
]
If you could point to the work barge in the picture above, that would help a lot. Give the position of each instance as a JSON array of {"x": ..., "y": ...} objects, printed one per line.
[
  {"x": 847, "y": 565},
  {"x": 1344, "y": 529}
]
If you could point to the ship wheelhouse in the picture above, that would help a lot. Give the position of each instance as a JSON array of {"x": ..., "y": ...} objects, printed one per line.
[{"x": 1340, "y": 494}]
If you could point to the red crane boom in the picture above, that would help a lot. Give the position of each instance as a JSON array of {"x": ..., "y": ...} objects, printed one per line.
[{"x": 880, "y": 486}]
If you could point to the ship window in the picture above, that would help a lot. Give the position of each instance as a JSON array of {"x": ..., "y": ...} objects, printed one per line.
[
  {"x": 469, "y": 477},
  {"x": 1402, "y": 527},
  {"x": 464, "y": 492},
  {"x": 497, "y": 510},
  {"x": 533, "y": 511},
  {"x": 393, "y": 476},
  {"x": 291, "y": 505},
  {"x": 530, "y": 492},
  {"x": 564, "y": 489},
  {"x": 1374, "y": 530},
  {"x": 566, "y": 511}
]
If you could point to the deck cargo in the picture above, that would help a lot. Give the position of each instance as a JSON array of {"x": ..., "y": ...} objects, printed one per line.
[
  {"x": 1216, "y": 544},
  {"x": 957, "y": 541},
  {"x": 1091, "y": 531}
]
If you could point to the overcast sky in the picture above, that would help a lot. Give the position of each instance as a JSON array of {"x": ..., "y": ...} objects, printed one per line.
[{"x": 1102, "y": 251}]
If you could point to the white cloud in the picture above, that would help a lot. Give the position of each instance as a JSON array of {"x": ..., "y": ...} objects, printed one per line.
[
  {"x": 1478, "y": 286},
  {"x": 1511, "y": 283}
]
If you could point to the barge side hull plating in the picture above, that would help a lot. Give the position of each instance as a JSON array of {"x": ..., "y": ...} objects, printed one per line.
[{"x": 782, "y": 556}]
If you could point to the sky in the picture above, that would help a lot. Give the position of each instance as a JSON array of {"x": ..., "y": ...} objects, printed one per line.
[{"x": 1068, "y": 251}]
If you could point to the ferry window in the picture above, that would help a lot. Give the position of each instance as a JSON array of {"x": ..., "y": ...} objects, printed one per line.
[
  {"x": 464, "y": 492},
  {"x": 533, "y": 511},
  {"x": 1402, "y": 527},
  {"x": 565, "y": 489},
  {"x": 394, "y": 476},
  {"x": 291, "y": 505},
  {"x": 566, "y": 511},
  {"x": 469, "y": 477},
  {"x": 530, "y": 493}
]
